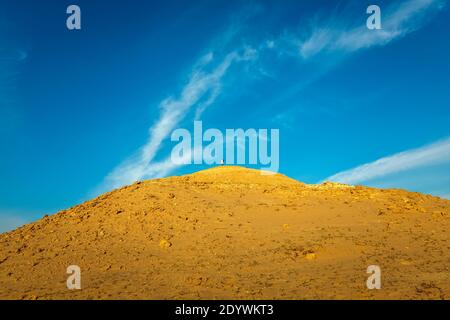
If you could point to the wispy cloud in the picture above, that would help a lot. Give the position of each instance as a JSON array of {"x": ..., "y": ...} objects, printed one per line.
[
  {"x": 429, "y": 155},
  {"x": 398, "y": 20},
  {"x": 332, "y": 39},
  {"x": 206, "y": 80},
  {"x": 201, "y": 90}
]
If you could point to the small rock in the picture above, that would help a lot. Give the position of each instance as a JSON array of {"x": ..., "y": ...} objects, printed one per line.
[
  {"x": 165, "y": 244},
  {"x": 310, "y": 256}
]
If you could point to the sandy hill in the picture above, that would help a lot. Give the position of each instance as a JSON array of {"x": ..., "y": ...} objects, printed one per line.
[{"x": 232, "y": 233}]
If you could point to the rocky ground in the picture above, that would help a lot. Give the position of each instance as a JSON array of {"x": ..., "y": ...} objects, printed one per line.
[{"x": 232, "y": 233}]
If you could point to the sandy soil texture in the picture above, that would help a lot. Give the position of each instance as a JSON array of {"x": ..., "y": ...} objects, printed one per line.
[{"x": 232, "y": 233}]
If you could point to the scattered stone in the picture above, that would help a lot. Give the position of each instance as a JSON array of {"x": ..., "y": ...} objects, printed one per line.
[
  {"x": 310, "y": 256},
  {"x": 165, "y": 244},
  {"x": 258, "y": 245}
]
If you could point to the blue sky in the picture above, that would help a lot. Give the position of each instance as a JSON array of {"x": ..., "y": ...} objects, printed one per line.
[{"x": 78, "y": 109}]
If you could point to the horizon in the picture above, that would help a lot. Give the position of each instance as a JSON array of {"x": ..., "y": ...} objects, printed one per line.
[{"x": 92, "y": 109}]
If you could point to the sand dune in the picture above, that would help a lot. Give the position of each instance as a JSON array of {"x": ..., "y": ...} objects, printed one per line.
[{"x": 232, "y": 233}]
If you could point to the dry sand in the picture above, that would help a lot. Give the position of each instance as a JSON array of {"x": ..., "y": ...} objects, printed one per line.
[{"x": 232, "y": 233}]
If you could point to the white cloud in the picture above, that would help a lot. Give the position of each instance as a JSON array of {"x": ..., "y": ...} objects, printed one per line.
[
  {"x": 319, "y": 40},
  {"x": 336, "y": 39},
  {"x": 205, "y": 83},
  {"x": 397, "y": 21},
  {"x": 429, "y": 155},
  {"x": 202, "y": 90}
]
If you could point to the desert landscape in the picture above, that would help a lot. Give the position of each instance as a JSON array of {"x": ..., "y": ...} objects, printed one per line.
[{"x": 232, "y": 233}]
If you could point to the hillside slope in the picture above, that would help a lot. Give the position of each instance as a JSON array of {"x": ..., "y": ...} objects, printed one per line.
[{"x": 232, "y": 233}]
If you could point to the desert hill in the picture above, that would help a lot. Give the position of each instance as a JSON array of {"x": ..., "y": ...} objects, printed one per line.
[{"x": 232, "y": 233}]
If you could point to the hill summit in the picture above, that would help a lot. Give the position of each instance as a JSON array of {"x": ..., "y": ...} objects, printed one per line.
[{"x": 233, "y": 233}]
